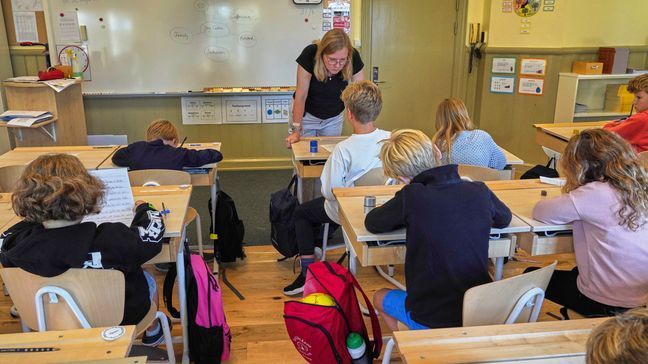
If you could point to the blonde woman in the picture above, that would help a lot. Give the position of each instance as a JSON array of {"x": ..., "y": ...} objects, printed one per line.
[
  {"x": 460, "y": 142},
  {"x": 448, "y": 221},
  {"x": 606, "y": 200},
  {"x": 620, "y": 340},
  {"x": 324, "y": 69}
]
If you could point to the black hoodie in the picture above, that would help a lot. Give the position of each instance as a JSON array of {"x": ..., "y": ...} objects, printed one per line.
[{"x": 51, "y": 252}]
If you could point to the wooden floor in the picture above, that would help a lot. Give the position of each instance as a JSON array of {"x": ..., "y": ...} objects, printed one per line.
[{"x": 259, "y": 334}]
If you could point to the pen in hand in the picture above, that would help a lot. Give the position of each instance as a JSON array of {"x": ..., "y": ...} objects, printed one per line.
[{"x": 183, "y": 141}]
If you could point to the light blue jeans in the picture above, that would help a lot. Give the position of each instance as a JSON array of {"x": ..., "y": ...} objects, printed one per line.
[{"x": 313, "y": 126}]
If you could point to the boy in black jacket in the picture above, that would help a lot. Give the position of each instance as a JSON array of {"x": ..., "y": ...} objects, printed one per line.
[
  {"x": 448, "y": 223},
  {"x": 161, "y": 151},
  {"x": 53, "y": 195}
]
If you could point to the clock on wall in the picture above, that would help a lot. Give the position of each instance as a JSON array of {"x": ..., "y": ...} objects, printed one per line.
[{"x": 307, "y": 2}]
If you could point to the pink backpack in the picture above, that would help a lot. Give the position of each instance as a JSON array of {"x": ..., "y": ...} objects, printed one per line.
[
  {"x": 208, "y": 333},
  {"x": 319, "y": 332}
]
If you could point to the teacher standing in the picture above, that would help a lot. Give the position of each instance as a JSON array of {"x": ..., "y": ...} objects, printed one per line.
[{"x": 324, "y": 69}]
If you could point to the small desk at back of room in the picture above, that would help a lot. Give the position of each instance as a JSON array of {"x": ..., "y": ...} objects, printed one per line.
[{"x": 556, "y": 135}]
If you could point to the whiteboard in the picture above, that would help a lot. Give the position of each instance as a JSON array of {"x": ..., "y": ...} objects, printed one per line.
[{"x": 157, "y": 46}]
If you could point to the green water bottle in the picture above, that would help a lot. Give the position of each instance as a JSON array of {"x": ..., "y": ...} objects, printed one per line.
[{"x": 357, "y": 348}]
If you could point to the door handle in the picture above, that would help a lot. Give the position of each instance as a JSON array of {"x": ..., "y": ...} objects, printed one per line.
[{"x": 375, "y": 75}]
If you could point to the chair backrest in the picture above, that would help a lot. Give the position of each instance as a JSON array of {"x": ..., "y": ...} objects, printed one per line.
[
  {"x": 643, "y": 157},
  {"x": 492, "y": 303},
  {"x": 98, "y": 293},
  {"x": 158, "y": 177},
  {"x": 374, "y": 177},
  {"x": 476, "y": 173},
  {"x": 107, "y": 139},
  {"x": 8, "y": 177}
]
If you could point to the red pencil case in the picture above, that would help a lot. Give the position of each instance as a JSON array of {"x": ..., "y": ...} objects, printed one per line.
[{"x": 51, "y": 74}]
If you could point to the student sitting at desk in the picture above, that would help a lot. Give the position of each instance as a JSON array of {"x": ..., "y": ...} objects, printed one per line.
[
  {"x": 350, "y": 160},
  {"x": 606, "y": 200},
  {"x": 448, "y": 223},
  {"x": 460, "y": 142},
  {"x": 53, "y": 195},
  {"x": 634, "y": 129},
  {"x": 161, "y": 151},
  {"x": 620, "y": 340}
]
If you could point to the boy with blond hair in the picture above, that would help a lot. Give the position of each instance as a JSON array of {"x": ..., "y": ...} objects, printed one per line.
[
  {"x": 634, "y": 129},
  {"x": 622, "y": 339},
  {"x": 350, "y": 160},
  {"x": 448, "y": 223},
  {"x": 161, "y": 151}
]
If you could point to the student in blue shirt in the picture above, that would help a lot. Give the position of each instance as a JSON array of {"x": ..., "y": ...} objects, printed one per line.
[
  {"x": 161, "y": 151},
  {"x": 460, "y": 142}
]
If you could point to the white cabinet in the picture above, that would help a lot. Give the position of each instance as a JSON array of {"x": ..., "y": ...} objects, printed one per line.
[{"x": 587, "y": 90}]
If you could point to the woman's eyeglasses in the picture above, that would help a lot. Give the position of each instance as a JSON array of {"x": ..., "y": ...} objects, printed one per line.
[{"x": 334, "y": 62}]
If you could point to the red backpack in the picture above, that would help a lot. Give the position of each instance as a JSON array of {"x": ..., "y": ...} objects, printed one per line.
[{"x": 319, "y": 332}]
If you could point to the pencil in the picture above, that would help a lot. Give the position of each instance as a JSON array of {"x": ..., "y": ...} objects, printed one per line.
[
  {"x": 164, "y": 210},
  {"x": 183, "y": 140}
]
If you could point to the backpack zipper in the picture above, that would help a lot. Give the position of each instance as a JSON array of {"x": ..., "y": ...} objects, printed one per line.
[{"x": 338, "y": 358}]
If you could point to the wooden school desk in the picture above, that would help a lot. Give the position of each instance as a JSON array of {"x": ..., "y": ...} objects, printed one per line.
[
  {"x": 540, "y": 240},
  {"x": 73, "y": 346},
  {"x": 310, "y": 165},
  {"x": 361, "y": 243},
  {"x": 91, "y": 156},
  {"x": 556, "y": 135},
  {"x": 536, "y": 342},
  {"x": 7, "y": 216},
  {"x": 198, "y": 177}
]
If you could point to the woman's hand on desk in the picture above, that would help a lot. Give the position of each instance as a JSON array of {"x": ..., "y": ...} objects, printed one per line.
[{"x": 292, "y": 138}]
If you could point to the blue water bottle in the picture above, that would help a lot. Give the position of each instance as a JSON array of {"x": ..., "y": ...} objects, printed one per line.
[{"x": 313, "y": 146}]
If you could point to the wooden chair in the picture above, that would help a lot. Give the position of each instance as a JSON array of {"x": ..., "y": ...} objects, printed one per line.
[
  {"x": 643, "y": 157},
  {"x": 476, "y": 173},
  {"x": 507, "y": 301},
  {"x": 8, "y": 177},
  {"x": 78, "y": 298},
  {"x": 374, "y": 177},
  {"x": 161, "y": 177}
]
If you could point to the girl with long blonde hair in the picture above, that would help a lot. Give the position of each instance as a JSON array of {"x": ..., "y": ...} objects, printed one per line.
[
  {"x": 606, "y": 199},
  {"x": 324, "y": 69},
  {"x": 460, "y": 142}
]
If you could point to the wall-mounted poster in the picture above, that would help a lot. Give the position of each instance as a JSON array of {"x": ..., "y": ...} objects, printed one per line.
[
  {"x": 502, "y": 84},
  {"x": 526, "y": 8},
  {"x": 531, "y": 86},
  {"x": 503, "y": 65},
  {"x": 533, "y": 66}
]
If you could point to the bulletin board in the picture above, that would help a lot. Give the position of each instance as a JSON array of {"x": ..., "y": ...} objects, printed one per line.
[{"x": 153, "y": 46}]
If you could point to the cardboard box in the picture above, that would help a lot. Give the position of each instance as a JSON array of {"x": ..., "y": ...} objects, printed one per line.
[{"x": 588, "y": 68}]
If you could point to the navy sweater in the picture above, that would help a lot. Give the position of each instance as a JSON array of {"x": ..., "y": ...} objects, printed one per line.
[
  {"x": 448, "y": 224},
  {"x": 157, "y": 155}
]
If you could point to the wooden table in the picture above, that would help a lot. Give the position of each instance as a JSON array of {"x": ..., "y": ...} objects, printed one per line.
[
  {"x": 542, "y": 239},
  {"x": 310, "y": 165},
  {"x": 556, "y": 135},
  {"x": 91, "y": 156},
  {"x": 537, "y": 342},
  {"x": 74, "y": 345},
  {"x": 7, "y": 216},
  {"x": 360, "y": 245}
]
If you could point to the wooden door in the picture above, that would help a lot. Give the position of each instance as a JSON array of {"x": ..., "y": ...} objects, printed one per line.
[{"x": 412, "y": 48}]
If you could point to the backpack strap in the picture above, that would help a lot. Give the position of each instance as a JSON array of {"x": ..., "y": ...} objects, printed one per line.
[
  {"x": 167, "y": 291},
  {"x": 376, "y": 345},
  {"x": 293, "y": 185}
]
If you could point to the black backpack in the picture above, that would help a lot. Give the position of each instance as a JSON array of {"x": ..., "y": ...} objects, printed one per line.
[
  {"x": 282, "y": 223},
  {"x": 540, "y": 170},
  {"x": 229, "y": 229}
]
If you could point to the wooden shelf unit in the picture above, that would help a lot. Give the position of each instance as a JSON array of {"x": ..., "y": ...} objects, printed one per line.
[{"x": 68, "y": 125}]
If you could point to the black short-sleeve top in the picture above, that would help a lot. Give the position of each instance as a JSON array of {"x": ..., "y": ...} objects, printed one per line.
[{"x": 323, "y": 100}]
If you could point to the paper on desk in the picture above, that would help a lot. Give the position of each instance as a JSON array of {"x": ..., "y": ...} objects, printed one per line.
[
  {"x": 328, "y": 147},
  {"x": 118, "y": 201},
  {"x": 60, "y": 84},
  {"x": 553, "y": 181},
  {"x": 25, "y": 79}
]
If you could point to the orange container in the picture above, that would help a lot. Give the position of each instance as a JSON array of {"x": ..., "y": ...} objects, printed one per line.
[{"x": 588, "y": 68}]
